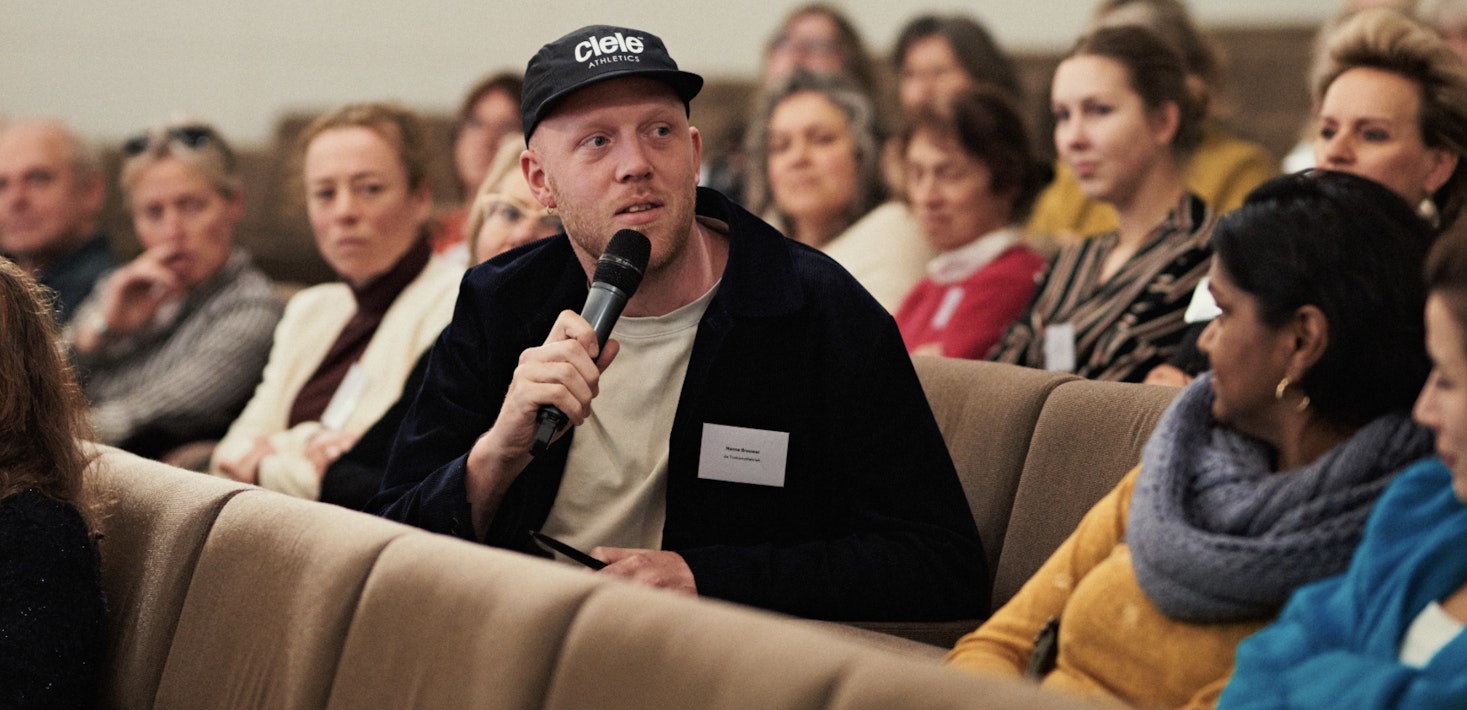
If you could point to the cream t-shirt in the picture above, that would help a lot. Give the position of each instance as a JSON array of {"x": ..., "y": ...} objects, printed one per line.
[{"x": 614, "y": 489}]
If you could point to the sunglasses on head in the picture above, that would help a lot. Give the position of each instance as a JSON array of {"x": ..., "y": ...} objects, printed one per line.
[{"x": 193, "y": 137}]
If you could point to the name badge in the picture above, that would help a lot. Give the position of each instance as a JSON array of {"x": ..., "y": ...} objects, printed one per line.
[
  {"x": 1059, "y": 347},
  {"x": 740, "y": 455}
]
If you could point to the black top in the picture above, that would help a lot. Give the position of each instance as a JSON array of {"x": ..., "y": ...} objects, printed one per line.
[
  {"x": 871, "y": 522},
  {"x": 53, "y": 621}
]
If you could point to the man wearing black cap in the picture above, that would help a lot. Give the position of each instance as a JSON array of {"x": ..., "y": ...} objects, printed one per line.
[{"x": 758, "y": 433}]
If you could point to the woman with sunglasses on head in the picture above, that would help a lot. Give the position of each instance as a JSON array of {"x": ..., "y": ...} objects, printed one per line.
[
  {"x": 53, "y": 622},
  {"x": 502, "y": 215},
  {"x": 1259, "y": 477},
  {"x": 342, "y": 350},
  {"x": 171, "y": 344}
]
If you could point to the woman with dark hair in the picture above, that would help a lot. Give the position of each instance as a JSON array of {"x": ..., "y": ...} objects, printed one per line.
[
  {"x": 1221, "y": 169},
  {"x": 53, "y": 626},
  {"x": 1111, "y": 307},
  {"x": 816, "y": 155},
  {"x": 937, "y": 56},
  {"x": 1259, "y": 477},
  {"x": 1388, "y": 632},
  {"x": 489, "y": 112},
  {"x": 818, "y": 39},
  {"x": 970, "y": 180},
  {"x": 343, "y": 350}
]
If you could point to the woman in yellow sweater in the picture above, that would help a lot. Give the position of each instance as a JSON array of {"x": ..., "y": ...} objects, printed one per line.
[{"x": 1259, "y": 477}]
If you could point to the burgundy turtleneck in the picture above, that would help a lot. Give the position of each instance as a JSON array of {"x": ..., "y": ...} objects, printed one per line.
[{"x": 373, "y": 300}]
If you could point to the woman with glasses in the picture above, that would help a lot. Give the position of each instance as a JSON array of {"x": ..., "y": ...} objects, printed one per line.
[
  {"x": 489, "y": 112},
  {"x": 343, "y": 350},
  {"x": 172, "y": 343},
  {"x": 503, "y": 215}
]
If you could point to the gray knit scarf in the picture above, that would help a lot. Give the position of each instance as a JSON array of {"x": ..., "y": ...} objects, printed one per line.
[{"x": 1216, "y": 535}]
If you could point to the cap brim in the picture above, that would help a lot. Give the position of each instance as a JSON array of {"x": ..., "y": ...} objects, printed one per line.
[{"x": 685, "y": 84}]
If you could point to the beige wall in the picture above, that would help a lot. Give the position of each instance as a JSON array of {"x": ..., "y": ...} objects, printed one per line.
[{"x": 112, "y": 67}]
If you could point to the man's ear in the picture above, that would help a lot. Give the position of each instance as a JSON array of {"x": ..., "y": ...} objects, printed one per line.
[
  {"x": 697, "y": 152},
  {"x": 536, "y": 178}
]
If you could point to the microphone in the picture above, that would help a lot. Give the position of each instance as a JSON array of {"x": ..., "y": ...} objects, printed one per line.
[{"x": 618, "y": 274}]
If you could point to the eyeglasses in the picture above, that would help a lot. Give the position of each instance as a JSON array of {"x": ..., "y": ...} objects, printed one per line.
[
  {"x": 513, "y": 212},
  {"x": 193, "y": 137}
]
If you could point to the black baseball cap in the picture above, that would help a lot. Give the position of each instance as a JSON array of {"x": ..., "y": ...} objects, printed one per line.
[{"x": 597, "y": 53}]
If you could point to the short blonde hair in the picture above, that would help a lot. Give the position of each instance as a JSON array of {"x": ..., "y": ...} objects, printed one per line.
[{"x": 1384, "y": 39}]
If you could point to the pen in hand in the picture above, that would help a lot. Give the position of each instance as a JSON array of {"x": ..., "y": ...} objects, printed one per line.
[{"x": 553, "y": 545}]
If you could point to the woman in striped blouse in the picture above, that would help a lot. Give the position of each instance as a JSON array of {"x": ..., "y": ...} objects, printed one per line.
[{"x": 1111, "y": 307}]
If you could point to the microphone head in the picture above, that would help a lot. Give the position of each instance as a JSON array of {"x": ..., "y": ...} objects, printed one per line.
[{"x": 624, "y": 260}]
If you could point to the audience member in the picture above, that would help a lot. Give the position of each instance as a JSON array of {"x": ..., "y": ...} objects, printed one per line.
[
  {"x": 1259, "y": 477},
  {"x": 488, "y": 113},
  {"x": 364, "y": 170},
  {"x": 1301, "y": 156},
  {"x": 818, "y": 39},
  {"x": 53, "y": 622},
  {"x": 504, "y": 215},
  {"x": 816, "y": 156},
  {"x": 1111, "y": 307},
  {"x": 970, "y": 181},
  {"x": 1391, "y": 106},
  {"x": 937, "y": 57},
  {"x": 1388, "y": 632},
  {"x": 815, "y": 38},
  {"x": 739, "y": 344},
  {"x": 51, "y": 191},
  {"x": 171, "y": 344},
  {"x": 1220, "y": 169}
]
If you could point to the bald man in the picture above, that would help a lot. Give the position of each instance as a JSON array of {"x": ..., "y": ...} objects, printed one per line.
[{"x": 51, "y": 191}]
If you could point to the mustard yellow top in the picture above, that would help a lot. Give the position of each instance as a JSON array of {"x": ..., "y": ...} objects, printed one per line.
[
  {"x": 1114, "y": 644},
  {"x": 1222, "y": 171}
]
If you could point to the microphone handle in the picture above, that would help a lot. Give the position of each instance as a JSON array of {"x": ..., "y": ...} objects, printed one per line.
[{"x": 603, "y": 306}]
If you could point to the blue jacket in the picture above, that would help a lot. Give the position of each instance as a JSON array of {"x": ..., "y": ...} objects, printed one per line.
[
  {"x": 1337, "y": 642},
  {"x": 872, "y": 522}
]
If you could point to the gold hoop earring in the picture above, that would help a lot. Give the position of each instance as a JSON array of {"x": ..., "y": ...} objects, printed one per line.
[
  {"x": 1278, "y": 394},
  {"x": 550, "y": 210}
]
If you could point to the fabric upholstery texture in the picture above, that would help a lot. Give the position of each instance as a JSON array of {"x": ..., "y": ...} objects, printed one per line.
[
  {"x": 224, "y": 595},
  {"x": 1088, "y": 436},
  {"x": 156, "y": 521}
]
